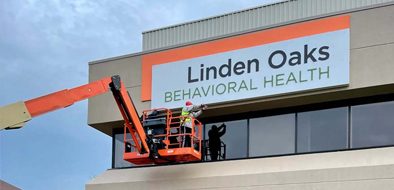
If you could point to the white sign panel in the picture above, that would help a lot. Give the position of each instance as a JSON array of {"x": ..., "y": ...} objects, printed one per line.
[{"x": 306, "y": 63}]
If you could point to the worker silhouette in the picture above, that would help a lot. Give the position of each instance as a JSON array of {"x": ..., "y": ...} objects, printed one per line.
[{"x": 214, "y": 142}]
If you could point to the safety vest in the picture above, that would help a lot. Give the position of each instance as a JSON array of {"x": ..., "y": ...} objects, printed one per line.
[{"x": 185, "y": 116}]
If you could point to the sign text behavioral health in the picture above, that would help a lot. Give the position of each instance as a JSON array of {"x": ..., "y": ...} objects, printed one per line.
[{"x": 293, "y": 65}]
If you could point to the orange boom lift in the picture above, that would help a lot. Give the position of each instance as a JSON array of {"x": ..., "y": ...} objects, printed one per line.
[{"x": 153, "y": 138}]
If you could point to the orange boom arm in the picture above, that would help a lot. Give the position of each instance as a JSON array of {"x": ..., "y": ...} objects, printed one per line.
[
  {"x": 65, "y": 98},
  {"x": 15, "y": 115}
]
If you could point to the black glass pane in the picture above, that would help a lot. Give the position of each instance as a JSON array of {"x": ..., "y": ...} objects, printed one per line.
[
  {"x": 272, "y": 135},
  {"x": 119, "y": 149},
  {"x": 235, "y": 138},
  {"x": 322, "y": 130},
  {"x": 373, "y": 125}
]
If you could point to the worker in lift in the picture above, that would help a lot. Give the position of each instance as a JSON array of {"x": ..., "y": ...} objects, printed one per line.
[
  {"x": 214, "y": 142},
  {"x": 189, "y": 111}
]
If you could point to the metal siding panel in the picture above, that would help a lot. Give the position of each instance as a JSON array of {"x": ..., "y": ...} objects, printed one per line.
[
  {"x": 158, "y": 40},
  {"x": 177, "y": 37},
  {"x": 190, "y": 36},
  {"x": 266, "y": 16},
  {"x": 211, "y": 26},
  {"x": 244, "y": 23},
  {"x": 229, "y": 22},
  {"x": 200, "y": 30},
  {"x": 259, "y": 18},
  {"x": 174, "y": 38},
  {"x": 247, "y": 19},
  {"x": 241, "y": 22},
  {"x": 145, "y": 42},
  {"x": 270, "y": 16},
  {"x": 185, "y": 32},
  {"x": 274, "y": 15},
  {"x": 168, "y": 37},
  {"x": 253, "y": 19},
  {"x": 182, "y": 34},
  {"x": 301, "y": 10},
  {"x": 200, "y": 26},
  {"x": 287, "y": 13},
  {"x": 290, "y": 13},
  {"x": 207, "y": 29},
  {"x": 203, "y": 27},
  {"x": 215, "y": 28},
  {"x": 286, "y": 8},
  {"x": 223, "y": 25},
  {"x": 348, "y": 5},
  {"x": 154, "y": 39},
  {"x": 278, "y": 14},
  {"x": 163, "y": 38},
  {"x": 193, "y": 31},
  {"x": 236, "y": 23},
  {"x": 148, "y": 38},
  {"x": 197, "y": 32},
  {"x": 170, "y": 40}
]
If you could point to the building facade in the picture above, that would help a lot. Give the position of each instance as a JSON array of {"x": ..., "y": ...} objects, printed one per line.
[{"x": 304, "y": 87}]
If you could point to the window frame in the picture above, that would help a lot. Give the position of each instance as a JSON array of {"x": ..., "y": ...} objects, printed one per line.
[{"x": 280, "y": 111}]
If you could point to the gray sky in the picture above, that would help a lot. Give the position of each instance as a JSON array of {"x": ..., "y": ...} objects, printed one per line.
[{"x": 45, "y": 47}]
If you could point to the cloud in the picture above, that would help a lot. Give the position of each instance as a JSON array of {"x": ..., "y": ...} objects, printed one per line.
[{"x": 45, "y": 46}]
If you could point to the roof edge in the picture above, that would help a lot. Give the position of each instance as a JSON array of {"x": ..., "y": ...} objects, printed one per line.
[{"x": 244, "y": 32}]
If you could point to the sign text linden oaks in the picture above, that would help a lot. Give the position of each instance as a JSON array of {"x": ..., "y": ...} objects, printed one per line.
[{"x": 306, "y": 63}]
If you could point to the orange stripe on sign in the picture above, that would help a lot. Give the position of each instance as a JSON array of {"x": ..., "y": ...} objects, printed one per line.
[{"x": 237, "y": 42}]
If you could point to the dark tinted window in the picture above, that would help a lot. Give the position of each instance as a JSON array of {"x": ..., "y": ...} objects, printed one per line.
[
  {"x": 119, "y": 149},
  {"x": 272, "y": 135},
  {"x": 318, "y": 130},
  {"x": 373, "y": 125},
  {"x": 235, "y": 138},
  {"x": 322, "y": 130}
]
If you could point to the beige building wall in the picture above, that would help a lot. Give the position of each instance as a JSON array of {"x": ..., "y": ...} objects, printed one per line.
[
  {"x": 359, "y": 170},
  {"x": 371, "y": 73},
  {"x": 103, "y": 113}
]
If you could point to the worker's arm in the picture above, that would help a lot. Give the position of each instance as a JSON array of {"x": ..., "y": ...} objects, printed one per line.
[
  {"x": 222, "y": 130},
  {"x": 196, "y": 114},
  {"x": 195, "y": 108}
]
